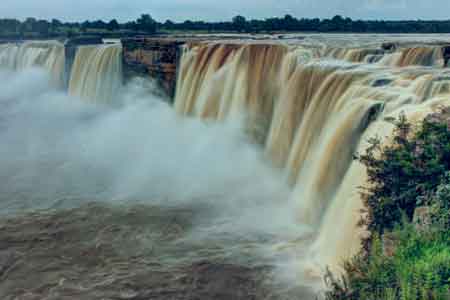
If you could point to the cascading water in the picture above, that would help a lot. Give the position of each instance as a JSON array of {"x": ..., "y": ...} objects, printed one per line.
[
  {"x": 47, "y": 55},
  {"x": 306, "y": 109},
  {"x": 316, "y": 113},
  {"x": 218, "y": 81},
  {"x": 96, "y": 74}
]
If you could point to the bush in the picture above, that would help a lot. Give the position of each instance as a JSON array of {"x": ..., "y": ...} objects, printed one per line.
[
  {"x": 440, "y": 205},
  {"x": 414, "y": 170},
  {"x": 419, "y": 269},
  {"x": 404, "y": 174}
]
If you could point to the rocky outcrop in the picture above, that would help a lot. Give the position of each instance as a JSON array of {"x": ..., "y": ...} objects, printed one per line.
[
  {"x": 389, "y": 46},
  {"x": 422, "y": 218},
  {"x": 446, "y": 54},
  {"x": 389, "y": 243},
  {"x": 153, "y": 57}
]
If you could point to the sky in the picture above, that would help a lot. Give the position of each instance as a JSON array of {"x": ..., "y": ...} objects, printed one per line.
[{"x": 219, "y": 10}]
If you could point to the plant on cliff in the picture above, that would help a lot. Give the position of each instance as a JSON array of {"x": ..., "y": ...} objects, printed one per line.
[
  {"x": 419, "y": 269},
  {"x": 411, "y": 172},
  {"x": 404, "y": 174}
]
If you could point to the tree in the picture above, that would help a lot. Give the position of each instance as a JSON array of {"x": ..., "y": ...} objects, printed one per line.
[
  {"x": 289, "y": 22},
  {"x": 146, "y": 23},
  {"x": 9, "y": 25},
  {"x": 84, "y": 26},
  {"x": 239, "y": 23},
  {"x": 169, "y": 24},
  {"x": 113, "y": 25},
  {"x": 42, "y": 27},
  {"x": 99, "y": 24},
  {"x": 29, "y": 24},
  {"x": 55, "y": 25}
]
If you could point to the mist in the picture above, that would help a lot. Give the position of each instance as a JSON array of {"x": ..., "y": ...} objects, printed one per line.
[{"x": 61, "y": 152}]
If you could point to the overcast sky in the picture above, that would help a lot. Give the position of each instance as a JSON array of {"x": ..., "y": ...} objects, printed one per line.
[{"x": 180, "y": 10}]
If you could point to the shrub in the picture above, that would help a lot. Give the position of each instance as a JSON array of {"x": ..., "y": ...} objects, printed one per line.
[
  {"x": 404, "y": 174},
  {"x": 419, "y": 269},
  {"x": 414, "y": 170}
]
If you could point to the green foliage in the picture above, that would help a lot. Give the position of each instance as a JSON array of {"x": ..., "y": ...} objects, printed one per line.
[
  {"x": 146, "y": 23},
  {"x": 419, "y": 269},
  {"x": 13, "y": 28},
  {"x": 412, "y": 171},
  {"x": 404, "y": 174},
  {"x": 440, "y": 205}
]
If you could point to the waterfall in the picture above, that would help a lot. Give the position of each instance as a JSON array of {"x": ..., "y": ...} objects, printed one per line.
[
  {"x": 312, "y": 111},
  {"x": 352, "y": 54},
  {"x": 423, "y": 56},
  {"x": 96, "y": 74},
  {"x": 222, "y": 80},
  {"x": 47, "y": 55},
  {"x": 431, "y": 56}
]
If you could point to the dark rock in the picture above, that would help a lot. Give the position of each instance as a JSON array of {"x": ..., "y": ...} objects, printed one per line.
[
  {"x": 390, "y": 243},
  {"x": 422, "y": 218},
  {"x": 389, "y": 46},
  {"x": 442, "y": 116},
  {"x": 446, "y": 54},
  {"x": 152, "y": 57},
  {"x": 381, "y": 82}
]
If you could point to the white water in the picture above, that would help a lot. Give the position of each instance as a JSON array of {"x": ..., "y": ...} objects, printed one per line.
[
  {"x": 311, "y": 114},
  {"x": 305, "y": 116},
  {"x": 96, "y": 74},
  {"x": 47, "y": 55},
  {"x": 63, "y": 152}
]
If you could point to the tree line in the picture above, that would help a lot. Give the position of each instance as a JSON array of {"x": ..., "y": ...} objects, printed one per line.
[{"x": 145, "y": 24}]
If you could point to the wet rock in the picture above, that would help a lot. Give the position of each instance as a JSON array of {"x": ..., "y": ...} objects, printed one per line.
[
  {"x": 152, "y": 57},
  {"x": 389, "y": 46},
  {"x": 422, "y": 218},
  {"x": 442, "y": 116},
  {"x": 446, "y": 54},
  {"x": 381, "y": 82},
  {"x": 390, "y": 243}
]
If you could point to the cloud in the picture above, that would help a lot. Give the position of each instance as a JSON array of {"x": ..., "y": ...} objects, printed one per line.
[{"x": 224, "y": 10}]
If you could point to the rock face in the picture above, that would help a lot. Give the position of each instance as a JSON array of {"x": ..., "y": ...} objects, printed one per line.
[
  {"x": 389, "y": 46},
  {"x": 439, "y": 117},
  {"x": 446, "y": 54},
  {"x": 422, "y": 218},
  {"x": 389, "y": 242},
  {"x": 154, "y": 57}
]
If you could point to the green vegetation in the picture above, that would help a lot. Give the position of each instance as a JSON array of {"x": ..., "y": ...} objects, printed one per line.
[
  {"x": 406, "y": 173},
  {"x": 419, "y": 269},
  {"x": 145, "y": 24},
  {"x": 33, "y": 28},
  {"x": 412, "y": 172}
]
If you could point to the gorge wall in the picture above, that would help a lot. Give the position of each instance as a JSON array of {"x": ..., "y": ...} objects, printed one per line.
[{"x": 152, "y": 57}]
